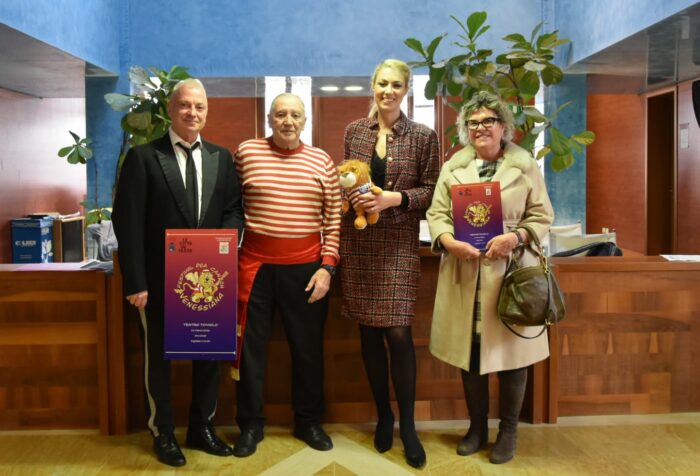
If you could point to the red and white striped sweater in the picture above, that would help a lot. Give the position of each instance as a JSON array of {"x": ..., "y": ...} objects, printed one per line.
[{"x": 290, "y": 194}]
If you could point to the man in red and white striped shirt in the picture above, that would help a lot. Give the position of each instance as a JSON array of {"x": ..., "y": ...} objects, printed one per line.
[{"x": 291, "y": 200}]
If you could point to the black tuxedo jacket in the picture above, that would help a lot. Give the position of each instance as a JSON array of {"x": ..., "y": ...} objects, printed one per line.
[{"x": 151, "y": 198}]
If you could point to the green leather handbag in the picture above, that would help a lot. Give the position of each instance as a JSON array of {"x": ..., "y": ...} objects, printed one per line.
[{"x": 530, "y": 295}]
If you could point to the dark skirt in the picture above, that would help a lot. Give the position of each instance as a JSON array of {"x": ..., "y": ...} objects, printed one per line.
[{"x": 379, "y": 272}]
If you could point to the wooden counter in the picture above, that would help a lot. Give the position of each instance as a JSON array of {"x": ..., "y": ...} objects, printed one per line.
[
  {"x": 53, "y": 352},
  {"x": 629, "y": 343},
  {"x": 439, "y": 394}
]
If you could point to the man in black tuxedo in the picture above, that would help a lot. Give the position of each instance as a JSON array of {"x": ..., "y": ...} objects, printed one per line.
[{"x": 177, "y": 181}]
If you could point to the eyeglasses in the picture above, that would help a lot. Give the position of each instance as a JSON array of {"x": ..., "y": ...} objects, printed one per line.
[{"x": 487, "y": 123}]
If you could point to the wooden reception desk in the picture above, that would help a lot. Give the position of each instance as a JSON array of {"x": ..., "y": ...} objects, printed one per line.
[
  {"x": 53, "y": 348},
  {"x": 630, "y": 342},
  {"x": 71, "y": 354}
]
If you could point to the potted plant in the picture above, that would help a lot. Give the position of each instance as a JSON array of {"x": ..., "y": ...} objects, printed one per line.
[{"x": 516, "y": 76}]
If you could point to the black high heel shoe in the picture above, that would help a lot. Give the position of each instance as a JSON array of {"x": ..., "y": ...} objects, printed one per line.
[
  {"x": 413, "y": 449},
  {"x": 384, "y": 435}
]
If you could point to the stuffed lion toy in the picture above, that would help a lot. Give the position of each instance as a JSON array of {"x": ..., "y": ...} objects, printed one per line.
[{"x": 355, "y": 178}]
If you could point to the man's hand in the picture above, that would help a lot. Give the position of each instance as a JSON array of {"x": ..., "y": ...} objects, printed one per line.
[
  {"x": 139, "y": 299},
  {"x": 320, "y": 282},
  {"x": 459, "y": 249}
]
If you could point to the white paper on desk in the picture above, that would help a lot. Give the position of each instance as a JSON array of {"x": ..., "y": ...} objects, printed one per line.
[
  {"x": 694, "y": 258},
  {"x": 424, "y": 232}
]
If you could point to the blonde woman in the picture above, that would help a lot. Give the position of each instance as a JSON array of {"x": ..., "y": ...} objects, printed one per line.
[{"x": 380, "y": 265}]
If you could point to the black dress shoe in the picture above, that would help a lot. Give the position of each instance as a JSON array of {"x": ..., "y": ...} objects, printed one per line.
[
  {"x": 315, "y": 437},
  {"x": 168, "y": 451},
  {"x": 247, "y": 443},
  {"x": 204, "y": 438}
]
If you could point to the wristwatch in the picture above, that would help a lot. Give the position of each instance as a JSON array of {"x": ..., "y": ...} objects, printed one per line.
[{"x": 330, "y": 268}]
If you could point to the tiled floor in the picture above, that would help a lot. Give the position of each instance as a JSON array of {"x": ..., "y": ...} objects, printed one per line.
[{"x": 638, "y": 445}]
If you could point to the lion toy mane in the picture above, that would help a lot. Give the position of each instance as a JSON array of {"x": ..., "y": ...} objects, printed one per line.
[{"x": 355, "y": 179}]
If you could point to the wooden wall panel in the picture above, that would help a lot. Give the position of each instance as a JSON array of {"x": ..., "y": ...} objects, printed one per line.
[
  {"x": 628, "y": 344},
  {"x": 615, "y": 168},
  {"x": 32, "y": 177},
  {"x": 688, "y": 180},
  {"x": 230, "y": 121},
  {"x": 331, "y": 116},
  {"x": 53, "y": 364}
]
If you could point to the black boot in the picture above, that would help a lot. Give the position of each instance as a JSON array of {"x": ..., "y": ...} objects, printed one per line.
[
  {"x": 476, "y": 392},
  {"x": 510, "y": 401}
]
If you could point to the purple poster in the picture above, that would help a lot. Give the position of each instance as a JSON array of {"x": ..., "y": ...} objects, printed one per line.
[
  {"x": 476, "y": 212},
  {"x": 201, "y": 276}
]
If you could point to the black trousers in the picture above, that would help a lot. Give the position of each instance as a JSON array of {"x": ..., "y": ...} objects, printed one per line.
[
  {"x": 282, "y": 287},
  {"x": 205, "y": 380}
]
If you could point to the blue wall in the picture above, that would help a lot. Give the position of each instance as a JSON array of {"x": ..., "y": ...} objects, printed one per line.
[
  {"x": 257, "y": 38},
  {"x": 567, "y": 189},
  {"x": 308, "y": 37},
  {"x": 593, "y": 25},
  {"x": 303, "y": 37},
  {"x": 87, "y": 29}
]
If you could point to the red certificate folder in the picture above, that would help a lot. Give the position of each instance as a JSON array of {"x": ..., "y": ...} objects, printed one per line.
[
  {"x": 476, "y": 211},
  {"x": 201, "y": 294}
]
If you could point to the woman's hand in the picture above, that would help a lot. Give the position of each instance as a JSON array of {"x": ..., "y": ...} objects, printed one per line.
[
  {"x": 376, "y": 203},
  {"x": 501, "y": 246},
  {"x": 458, "y": 249}
]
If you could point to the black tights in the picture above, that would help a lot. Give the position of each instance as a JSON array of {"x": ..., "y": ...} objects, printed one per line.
[{"x": 403, "y": 376}]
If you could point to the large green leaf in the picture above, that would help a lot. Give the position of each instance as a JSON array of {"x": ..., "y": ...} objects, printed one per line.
[
  {"x": 534, "y": 66},
  {"x": 474, "y": 22},
  {"x": 552, "y": 74},
  {"x": 542, "y": 152},
  {"x": 139, "y": 75},
  {"x": 74, "y": 157},
  {"x": 436, "y": 74},
  {"x": 534, "y": 113},
  {"x": 535, "y": 31},
  {"x": 179, "y": 73},
  {"x": 529, "y": 85},
  {"x": 454, "y": 88},
  {"x": 431, "y": 89},
  {"x": 515, "y": 38},
  {"x": 433, "y": 46},
  {"x": 584, "y": 138},
  {"x": 85, "y": 153},
  {"x": 139, "y": 120},
  {"x": 119, "y": 102},
  {"x": 558, "y": 142},
  {"x": 562, "y": 162},
  {"x": 63, "y": 151},
  {"x": 416, "y": 46}
]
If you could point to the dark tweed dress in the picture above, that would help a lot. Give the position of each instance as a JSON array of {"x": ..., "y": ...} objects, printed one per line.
[{"x": 380, "y": 266}]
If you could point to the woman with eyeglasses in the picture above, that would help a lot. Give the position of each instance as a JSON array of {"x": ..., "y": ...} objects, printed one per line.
[
  {"x": 380, "y": 265},
  {"x": 466, "y": 331}
]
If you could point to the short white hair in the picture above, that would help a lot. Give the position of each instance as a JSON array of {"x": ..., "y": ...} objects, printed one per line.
[{"x": 191, "y": 82}]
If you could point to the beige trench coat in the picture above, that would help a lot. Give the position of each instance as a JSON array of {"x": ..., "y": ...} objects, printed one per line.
[{"x": 524, "y": 200}]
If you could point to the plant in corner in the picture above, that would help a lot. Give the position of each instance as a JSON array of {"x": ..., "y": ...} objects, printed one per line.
[
  {"x": 516, "y": 76},
  {"x": 79, "y": 153},
  {"x": 146, "y": 114}
]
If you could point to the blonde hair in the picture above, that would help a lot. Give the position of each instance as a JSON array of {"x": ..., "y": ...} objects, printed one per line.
[{"x": 397, "y": 65}]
